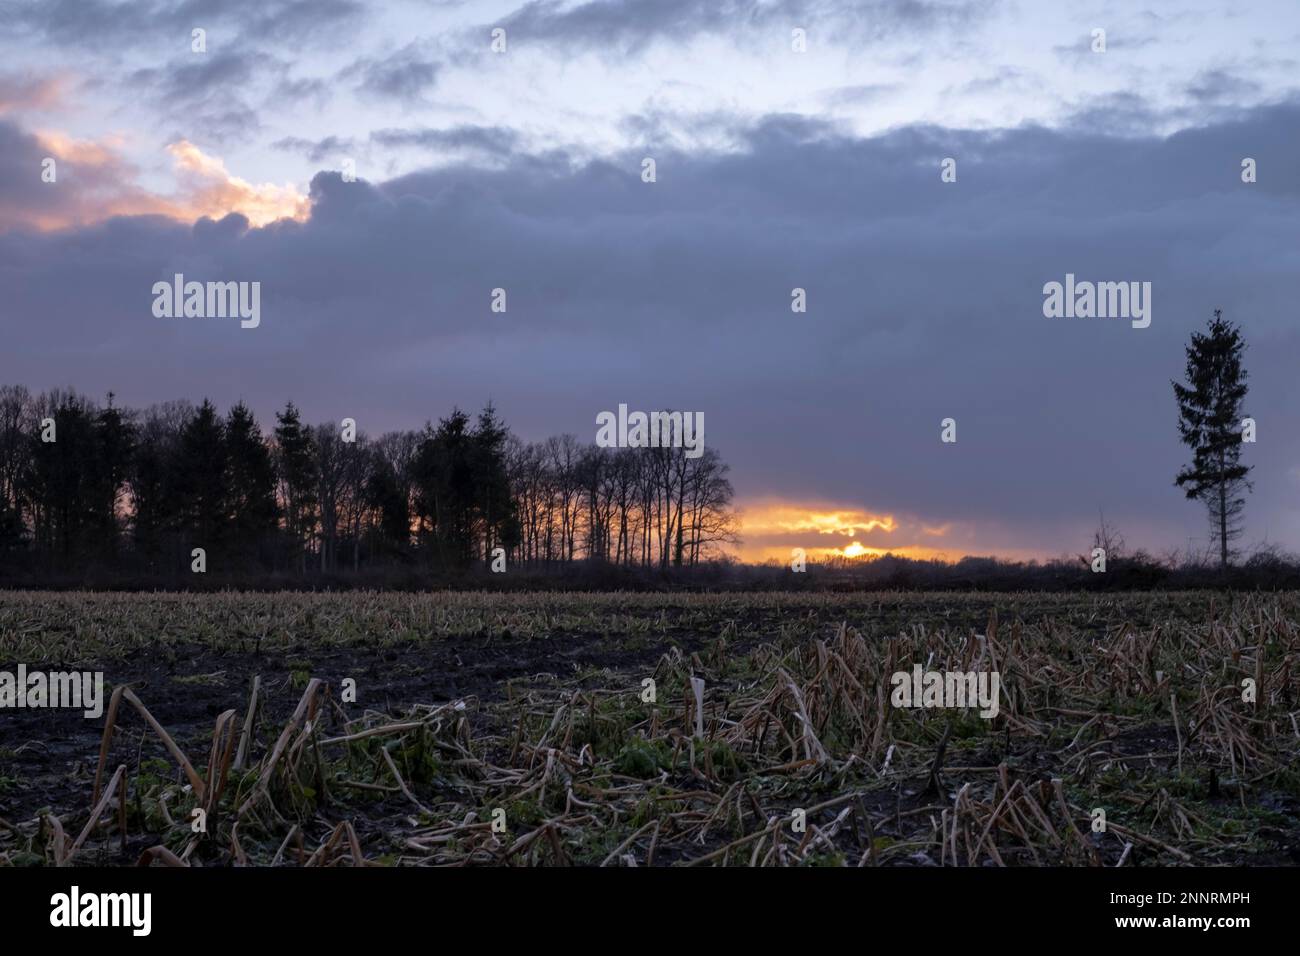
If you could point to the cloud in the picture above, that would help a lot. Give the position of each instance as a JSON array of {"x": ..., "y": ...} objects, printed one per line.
[
  {"x": 458, "y": 141},
  {"x": 924, "y": 302},
  {"x": 492, "y": 140},
  {"x": 860, "y": 94},
  {"x": 818, "y": 518},
  {"x": 1117, "y": 40},
  {"x": 771, "y": 528},
  {"x": 300, "y": 92},
  {"x": 201, "y": 93},
  {"x": 93, "y": 182},
  {"x": 198, "y": 75},
  {"x": 1218, "y": 86},
  {"x": 405, "y": 76},
  {"x": 27, "y": 91},
  {"x": 94, "y": 24},
  {"x": 627, "y": 26},
  {"x": 211, "y": 190},
  {"x": 1002, "y": 78},
  {"x": 316, "y": 150}
]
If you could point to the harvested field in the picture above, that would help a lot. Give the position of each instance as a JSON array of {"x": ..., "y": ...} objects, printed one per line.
[{"x": 514, "y": 729}]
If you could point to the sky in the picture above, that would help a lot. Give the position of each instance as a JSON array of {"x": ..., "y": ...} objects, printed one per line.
[{"x": 381, "y": 169}]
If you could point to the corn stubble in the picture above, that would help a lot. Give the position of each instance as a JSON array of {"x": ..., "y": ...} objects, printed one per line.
[{"x": 1129, "y": 704}]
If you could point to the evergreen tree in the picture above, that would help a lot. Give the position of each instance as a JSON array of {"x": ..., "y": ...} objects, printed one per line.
[
  {"x": 15, "y": 405},
  {"x": 444, "y": 487},
  {"x": 115, "y": 448},
  {"x": 186, "y": 477},
  {"x": 60, "y": 483},
  {"x": 201, "y": 480},
  {"x": 496, "y": 508},
  {"x": 251, "y": 505},
  {"x": 1210, "y": 424},
  {"x": 385, "y": 495},
  {"x": 296, "y": 464},
  {"x": 155, "y": 497}
]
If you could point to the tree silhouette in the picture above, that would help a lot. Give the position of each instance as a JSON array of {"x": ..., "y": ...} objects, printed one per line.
[
  {"x": 201, "y": 481},
  {"x": 135, "y": 491},
  {"x": 494, "y": 505},
  {"x": 251, "y": 504},
  {"x": 155, "y": 498},
  {"x": 1210, "y": 424},
  {"x": 115, "y": 447},
  {"x": 296, "y": 463}
]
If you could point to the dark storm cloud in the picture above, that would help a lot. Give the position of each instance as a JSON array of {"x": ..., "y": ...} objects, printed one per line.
[{"x": 924, "y": 302}]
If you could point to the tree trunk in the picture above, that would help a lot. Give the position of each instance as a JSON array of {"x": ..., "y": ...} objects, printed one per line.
[
  {"x": 1223, "y": 526},
  {"x": 1223, "y": 516}
]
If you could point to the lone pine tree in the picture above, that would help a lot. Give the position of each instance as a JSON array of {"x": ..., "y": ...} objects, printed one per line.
[{"x": 1210, "y": 424}]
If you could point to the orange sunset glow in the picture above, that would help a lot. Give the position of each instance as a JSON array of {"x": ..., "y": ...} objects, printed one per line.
[
  {"x": 213, "y": 191},
  {"x": 106, "y": 187},
  {"x": 770, "y": 529}
]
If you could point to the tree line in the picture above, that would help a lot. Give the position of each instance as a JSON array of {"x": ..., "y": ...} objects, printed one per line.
[{"x": 86, "y": 484}]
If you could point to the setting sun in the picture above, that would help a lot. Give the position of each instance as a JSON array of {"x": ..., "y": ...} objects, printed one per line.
[{"x": 770, "y": 528}]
